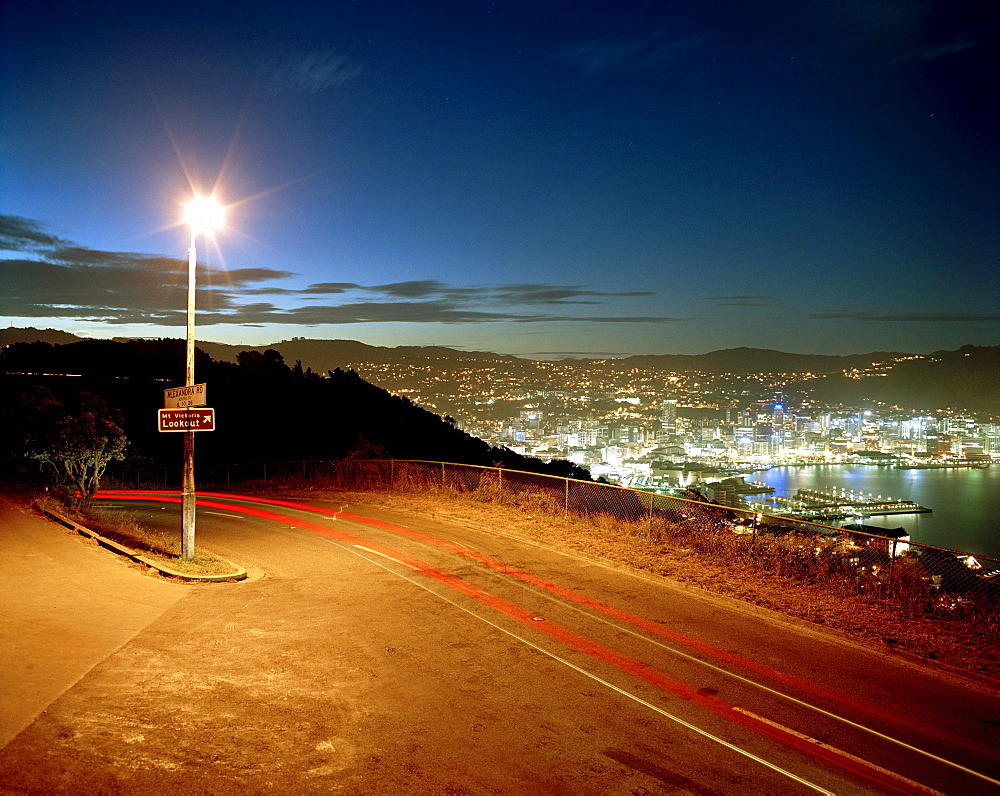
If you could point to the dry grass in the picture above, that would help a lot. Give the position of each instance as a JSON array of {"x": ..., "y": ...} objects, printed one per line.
[
  {"x": 972, "y": 646},
  {"x": 125, "y": 529}
]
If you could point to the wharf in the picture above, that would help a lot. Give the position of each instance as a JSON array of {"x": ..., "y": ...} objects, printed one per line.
[
  {"x": 823, "y": 504},
  {"x": 977, "y": 463}
]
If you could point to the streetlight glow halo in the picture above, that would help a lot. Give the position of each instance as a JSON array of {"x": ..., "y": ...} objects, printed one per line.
[{"x": 204, "y": 214}]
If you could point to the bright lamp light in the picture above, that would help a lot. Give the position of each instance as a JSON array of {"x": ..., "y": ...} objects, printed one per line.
[{"x": 204, "y": 215}]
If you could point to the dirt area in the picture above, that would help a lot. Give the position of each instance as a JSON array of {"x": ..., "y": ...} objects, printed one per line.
[{"x": 968, "y": 646}]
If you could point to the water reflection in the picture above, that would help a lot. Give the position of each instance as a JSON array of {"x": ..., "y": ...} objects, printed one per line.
[{"x": 965, "y": 503}]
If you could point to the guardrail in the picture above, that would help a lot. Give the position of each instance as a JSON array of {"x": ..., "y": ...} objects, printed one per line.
[{"x": 922, "y": 578}]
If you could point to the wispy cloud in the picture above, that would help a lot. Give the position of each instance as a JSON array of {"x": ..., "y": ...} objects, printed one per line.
[
  {"x": 631, "y": 52},
  {"x": 68, "y": 281},
  {"x": 511, "y": 294},
  {"x": 905, "y": 317},
  {"x": 314, "y": 72},
  {"x": 747, "y": 300},
  {"x": 932, "y": 52}
]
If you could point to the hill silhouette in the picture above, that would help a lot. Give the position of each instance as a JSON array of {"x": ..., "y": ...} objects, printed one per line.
[
  {"x": 759, "y": 360},
  {"x": 324, "y": 355},
  {"x": 964, "y": 379},
  {"x": 265, "y": 410},
  {"x": 319, "y": 355}
]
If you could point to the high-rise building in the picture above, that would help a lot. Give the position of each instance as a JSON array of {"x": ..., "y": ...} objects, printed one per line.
[{"x": 669, "y": 418}]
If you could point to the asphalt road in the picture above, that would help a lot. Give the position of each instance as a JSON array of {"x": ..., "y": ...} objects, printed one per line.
[{"x": 375, "y": 650}]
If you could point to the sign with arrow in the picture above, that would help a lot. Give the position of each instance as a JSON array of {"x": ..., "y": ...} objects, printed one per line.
[{"x": 187, "y": 419}]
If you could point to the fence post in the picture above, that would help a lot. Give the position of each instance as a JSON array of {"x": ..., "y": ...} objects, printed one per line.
[{"x": 566, "y": 499}]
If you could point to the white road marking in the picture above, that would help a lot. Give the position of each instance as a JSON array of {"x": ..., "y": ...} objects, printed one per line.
[
  {"x": 773, "y": 691},
  {"x": 884, "y": 771},
  {"x": 384, "y": 555},
  {"x": 594, "y": 677},
  {"x": 692, "y": 658}
]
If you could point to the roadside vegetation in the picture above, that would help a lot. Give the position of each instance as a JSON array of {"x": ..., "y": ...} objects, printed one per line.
[{"x": 124, "y": 528}]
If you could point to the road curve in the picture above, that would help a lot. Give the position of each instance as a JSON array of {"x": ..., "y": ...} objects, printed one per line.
[{"x": 387, "y": 651}]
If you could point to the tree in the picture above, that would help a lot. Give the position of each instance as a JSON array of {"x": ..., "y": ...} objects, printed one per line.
[{"x": 79, "y": 444}]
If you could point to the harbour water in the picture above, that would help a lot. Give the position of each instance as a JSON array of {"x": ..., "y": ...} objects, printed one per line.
[{"x": 964, "y": 502}]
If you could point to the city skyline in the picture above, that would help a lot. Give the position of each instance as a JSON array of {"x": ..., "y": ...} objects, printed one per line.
[{"x": 576, "y": 179}]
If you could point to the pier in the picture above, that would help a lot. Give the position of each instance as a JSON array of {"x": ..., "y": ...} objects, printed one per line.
[
  {"x": 832, "y": 504},
  {"x": 943, "y": 465}
]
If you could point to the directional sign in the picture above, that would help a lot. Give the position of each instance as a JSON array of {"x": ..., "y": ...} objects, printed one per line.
[
  {"x": 181, "y": 397},
  {"x": 187, "y": 419}
]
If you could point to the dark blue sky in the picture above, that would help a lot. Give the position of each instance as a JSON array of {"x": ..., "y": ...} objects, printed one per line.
[{"x": 523, "y": 177}]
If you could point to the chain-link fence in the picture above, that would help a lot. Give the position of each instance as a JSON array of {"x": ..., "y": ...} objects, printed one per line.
[{"x": 922, "y": 579}]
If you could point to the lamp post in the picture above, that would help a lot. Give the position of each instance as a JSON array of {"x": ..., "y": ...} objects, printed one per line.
[{"x": 203, "y": 215}]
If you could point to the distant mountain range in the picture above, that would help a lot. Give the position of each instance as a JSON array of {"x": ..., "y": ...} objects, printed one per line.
[
  {"x": 963, "y": 379},
  {"x": 324, "y": 355},
  {"x": 320, "y": 355},
  {"x": 760, "y": 360}
]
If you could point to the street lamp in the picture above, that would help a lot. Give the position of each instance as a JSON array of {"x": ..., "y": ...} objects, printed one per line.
[{"x": 204, "y": 215}]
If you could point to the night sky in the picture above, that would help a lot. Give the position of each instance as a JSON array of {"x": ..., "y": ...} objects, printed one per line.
[{"x": 535, "y": 178}]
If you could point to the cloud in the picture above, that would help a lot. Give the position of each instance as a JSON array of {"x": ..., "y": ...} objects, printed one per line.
[
  {"x": 631, "y": 52},
  {"x": 396, "y": 312},
  {"x": 905, "y": 317},
  {"x": 331, "y": 288},
  {"x": 22, "y": 234},
  {"x": 744, "y": 297},
  {"x": 513, "y": 294},
  {"x": 313, "y": 73},
  {"x": 557, "y": 294},
  {"x": 412, "y": 289},
  {"x": 74, "y": 282},
  {"x": 932, "y": 52},
  {"x": 747, "y": 300},
  {"x": 71, "y": 281}
]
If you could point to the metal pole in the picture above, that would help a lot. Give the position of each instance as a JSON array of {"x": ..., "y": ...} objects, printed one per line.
[{"x": 187, "y": 490}]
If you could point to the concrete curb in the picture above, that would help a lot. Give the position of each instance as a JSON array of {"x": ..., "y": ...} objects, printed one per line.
[{"x": 239, "y": 574}]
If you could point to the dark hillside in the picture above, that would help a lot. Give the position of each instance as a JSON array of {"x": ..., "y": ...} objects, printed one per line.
[
  {"x": 265, "y": 410},
  {"x": 12, "y": 335},
  {"x": 966, "y": 379},
  {"x": 324, "y": 355}
]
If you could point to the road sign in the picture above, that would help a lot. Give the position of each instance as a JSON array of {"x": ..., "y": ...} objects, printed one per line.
[
  {"x": 181, "y": 397},
  {"x": 187, "y": 419}
]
